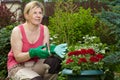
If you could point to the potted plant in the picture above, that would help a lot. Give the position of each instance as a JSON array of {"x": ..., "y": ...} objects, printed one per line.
[{"x": 84, "y": 61}]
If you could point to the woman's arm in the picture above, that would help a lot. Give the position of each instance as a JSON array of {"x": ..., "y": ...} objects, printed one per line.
[
  {"x": 16, "y": 44},
  {"x": 46, "y": 36}
]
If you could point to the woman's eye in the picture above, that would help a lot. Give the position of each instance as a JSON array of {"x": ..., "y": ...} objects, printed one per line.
[
  {"x": 35, "y": 13},
  {"x": 40, "y": 12}
]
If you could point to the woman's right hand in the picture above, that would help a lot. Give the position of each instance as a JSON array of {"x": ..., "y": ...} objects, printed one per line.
[{"x": 38, "y": 52}]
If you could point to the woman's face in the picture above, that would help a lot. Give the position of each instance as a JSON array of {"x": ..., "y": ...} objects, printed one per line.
[{"x": 35, "y": 16}]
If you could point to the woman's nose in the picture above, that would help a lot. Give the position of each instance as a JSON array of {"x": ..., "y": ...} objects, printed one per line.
[{"x": 38, "y": 15}]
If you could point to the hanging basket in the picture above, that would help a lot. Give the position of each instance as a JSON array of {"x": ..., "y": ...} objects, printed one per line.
[{"x": 84, "y": 75}]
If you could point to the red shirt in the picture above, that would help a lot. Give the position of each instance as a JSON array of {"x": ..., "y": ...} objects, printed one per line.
[{"x": 26, "y": 46}]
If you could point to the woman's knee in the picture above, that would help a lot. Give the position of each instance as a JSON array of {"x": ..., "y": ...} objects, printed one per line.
[
  {"x": 41, "y": 69},
  {"x": 25, "y": 74}
]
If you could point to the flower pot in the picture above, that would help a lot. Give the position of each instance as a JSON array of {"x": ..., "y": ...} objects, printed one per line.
[{"x": 84, "y": 75}]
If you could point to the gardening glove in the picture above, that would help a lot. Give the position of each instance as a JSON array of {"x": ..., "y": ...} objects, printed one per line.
[
  {"x": 60, "y": 50},
  {"x": 38, "y": 52},
  {"x": 52, "y": 47}
]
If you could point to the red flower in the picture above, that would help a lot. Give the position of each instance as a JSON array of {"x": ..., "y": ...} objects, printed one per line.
[
  {"x": 94, "y": 59},
  {"x": 83, "y": 51},
  {"x": 69, "y": 61},
  {"x": 91, "y": 51},
  {"x": 99, "y": 56},
  {"x": 76, "y": 53},
  {"x": 70, "y": 53},
  {"x": 82, "y": 60}
]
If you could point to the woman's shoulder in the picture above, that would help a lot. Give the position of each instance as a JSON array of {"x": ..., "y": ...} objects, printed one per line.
[
  {"x": 16, "y": 29},
  {"x": 44, "y": 26}
]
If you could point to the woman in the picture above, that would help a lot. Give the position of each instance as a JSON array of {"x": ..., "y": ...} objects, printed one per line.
[{"x": 27, "y": 42}]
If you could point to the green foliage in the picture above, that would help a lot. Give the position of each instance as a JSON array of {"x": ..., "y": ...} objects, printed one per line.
[
  {"x": 61, "y": 76},
  {"x": 3, "y": 67},
  {"x": 112, "y": 20},
  {"x": 115, "y": 6},
  {"x": 4, "y": 48},
  {"x": 113, "y": 61},
  {"x": 6, "y": 18},
  {"x": 104, "y": 32},
  {"x": 110, "y": 25},
  {"x": 109, "y": 22},
  {"x": 69, "y": 23},
  {"x": 5, "y": 39},
  {"x": 90, "y": 42}
]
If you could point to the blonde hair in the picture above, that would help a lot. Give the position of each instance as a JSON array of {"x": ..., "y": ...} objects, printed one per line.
[{"x": 33, "y": 4}]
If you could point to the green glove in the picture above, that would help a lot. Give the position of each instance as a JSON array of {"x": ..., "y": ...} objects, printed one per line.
[
  {"x": 52, "y": 47},
  {"x": 38, "y": 52}
]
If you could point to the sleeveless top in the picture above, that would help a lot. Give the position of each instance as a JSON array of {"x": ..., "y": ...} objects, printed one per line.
[{"x": 25, "y": 47}]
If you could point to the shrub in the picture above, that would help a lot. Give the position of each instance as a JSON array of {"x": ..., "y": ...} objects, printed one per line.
[
  {"x": 5, "y": 39},
  {"x": 112, "y": 20},
  {"x": 69, "y": 24},
  {"x": 4, "y": 48}
]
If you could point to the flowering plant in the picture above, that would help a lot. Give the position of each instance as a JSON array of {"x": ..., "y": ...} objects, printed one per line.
[{"x": 86, "y": 57}]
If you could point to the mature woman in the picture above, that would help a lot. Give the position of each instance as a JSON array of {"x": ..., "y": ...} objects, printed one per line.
[{"x": 27, "y": 42}]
